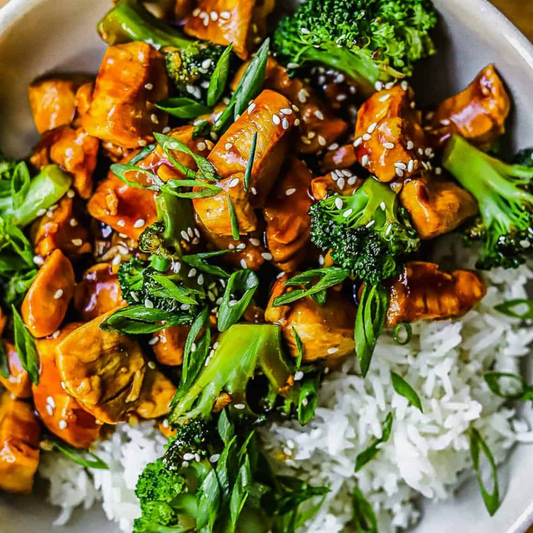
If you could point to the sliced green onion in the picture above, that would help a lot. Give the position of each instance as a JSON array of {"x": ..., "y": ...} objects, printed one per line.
[
  {"x": 478, "y": 446},
  {"x": 405, "y": 330},
  {"x": 509, "y": 308},
  {"x": 404, "y": 389},
  {"x": 367, "y": 455}
]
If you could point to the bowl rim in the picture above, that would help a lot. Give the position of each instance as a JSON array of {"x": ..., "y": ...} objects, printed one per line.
[{"x": 15, "y": 10}]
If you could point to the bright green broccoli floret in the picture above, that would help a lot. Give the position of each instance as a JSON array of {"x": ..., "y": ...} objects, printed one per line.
[
  {"x": 367, "y": 233},
  {"x": 505, "y": 222},
  {"x": 190, "y": 64},
  {"x": 243, "y": 352},
  {"x": 369, "y": 40},
  {"x": 165, "y": 500}
]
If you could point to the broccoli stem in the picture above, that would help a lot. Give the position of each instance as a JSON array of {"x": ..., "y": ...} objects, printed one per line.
[
  {"x": 45, "y": 190},
  {"x": 242, "y": 350},
  {"x": 359, "y": 67},
  {"x": 490, "y": 181},
  {"x": 130, "y": 21}
]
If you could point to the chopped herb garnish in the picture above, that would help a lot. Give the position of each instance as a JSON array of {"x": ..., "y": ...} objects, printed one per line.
[
  {"x": 367, "y": 455},
  {"x": 26, "y": 347},
  {"x": 478, "y": 446},
  {"x": 404, "y": 389}
]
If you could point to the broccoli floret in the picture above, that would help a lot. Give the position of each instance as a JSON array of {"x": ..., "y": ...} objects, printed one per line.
[
  {"x": 141, "y": 283},
  {"x": 229, "y": 484},
  {"x": 505, "y": 222},
  {"x": 367, "y": 233},
  {"x": 243, "y": 352},
  {"x": 369, "y": 40},
  {"x": 165, "y": 500},
  {"x": 192, "y": 68},
  {"x": 190, "y": 64},
  {"x": 7, "y": 167}
]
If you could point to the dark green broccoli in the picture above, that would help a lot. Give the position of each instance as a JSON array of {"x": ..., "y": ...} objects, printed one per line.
[
  {"x": 190, "y": 64},
  {"x": 214, "y": 478},
  {"x": 192, "y": 68},
  {"x": 505, "y": 222},
  {"x": 368, "y": 233},
  {"x": 368, "y": 40}
]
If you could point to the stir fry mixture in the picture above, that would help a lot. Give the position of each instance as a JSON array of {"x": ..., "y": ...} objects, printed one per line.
[{"x": 232, "y": 207}]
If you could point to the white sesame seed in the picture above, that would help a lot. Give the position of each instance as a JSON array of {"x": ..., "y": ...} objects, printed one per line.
[
  {"x": 370, "y": 224},
  {"x": 148, "y": 304},
  {"x": 254, "y": 190},
  {"x": 364, "y": 160},
  {"x": 305, "y": 401},
  {"x": 384, "y": 98},
  {"x": 71, "y": 193},
  {"x": 77, "y": 242},
  {"x": 50, "y": 401},
  {"x": 420, "y": 151},
  {"x": 372, "y": 127},
  {"x": 333, "y": 147},
  {"x": 200, "y": 279},
  {"x": 298, "y": 376},
  {"x": 50, "y": 410},
  {"x": 302, "y": 96},
  {"x": 428, "y": 151},
  {"x": 241, "y": 246},
  {"x": 339, "y": 204},
  {"x": 388, "y": 146},
  {"x": 366, "y": 137},
  {"x": 297, "y": 122},
  {"x": 445, "y": 122},
  {"x": 201, "y": 146},
  {"x": 196, "y": 12},
  {"x": 255, "y": 242},
  {"x": 266, "y": 256},
  {"x": 185, "y": 236},
  {"x": 185, "y": 464},
  {"x": 139, "y": 223},
  {"x": 244, "y": 264},
  {"x": 153, "y": 341},
  {"x": 58, "y": 294},
  {"x": 319, "y": 114},
  {"x": 151, "y": 365},
  {"x": 165, "y": 423},
  {"x": 322, "y": 141},
  {"x": 292, "y": 65},
  {"x": 411, "y": 166},
  {"x": 213, "y": 135},
  {"x": 340, "y": 183},
  {"x": 288, "y": 192},
  {"x": 430, "y": 115},
  {"x": 358, "y": 142},
  {"x": 188, "y": 456},
  {"x": 251, "y": 107},
  {"x": 38, "y": 260},
  {"x": 234, "y": 182},
  {"x": 410, "y": 145},
  {"x": 305, "y": 31},
  {"x": 352, "y": 180},
  {"x": 276, "y": 120},
  {"x": 240, "y": 406},
  {"x": 228, "y": 146},
  {"x": 41, "y": 212},
  {"x": 347, "y": 213},
  {"x": 286, "y": 111},
  {"x": 341, "y": 97},
  {"x": 438, "y": 171},
  {"x": 62, "y": 424},
  {"x": 226, "y": 15},
  {"x": 378, "y": 85},
  {"x": 285, "y": 124},
  {"x": 192, "y": 272},
  {"x": 404, "y": 85},
  {"x": 149, "y": 86},
  {"x": 399, "y": 172},
  {"x": 214, "y": 458}
]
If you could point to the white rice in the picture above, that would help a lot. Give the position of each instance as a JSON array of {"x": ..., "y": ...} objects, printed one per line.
[{"x": 427, "y": 454}]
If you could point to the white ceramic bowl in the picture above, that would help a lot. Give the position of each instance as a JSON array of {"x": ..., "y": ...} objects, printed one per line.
[{"x": 40, "y": 36}]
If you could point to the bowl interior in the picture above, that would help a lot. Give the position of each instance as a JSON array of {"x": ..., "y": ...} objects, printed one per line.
[{"x": 42, "y": 36}]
